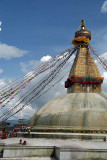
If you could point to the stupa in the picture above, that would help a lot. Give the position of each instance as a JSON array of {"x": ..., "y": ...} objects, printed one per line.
[
  {"x": 71, "y": 126},
  {"x": 84, "y": 108}
]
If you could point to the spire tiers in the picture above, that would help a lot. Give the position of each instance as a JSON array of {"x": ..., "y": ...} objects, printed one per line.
[
  {"x": 82, "y": 36},
  {"x": 84, "y": 75},
  {"x": 82, "y": 31}
]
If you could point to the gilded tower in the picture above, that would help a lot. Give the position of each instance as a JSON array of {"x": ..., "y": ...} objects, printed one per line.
[{"x": 84, "y": 75}]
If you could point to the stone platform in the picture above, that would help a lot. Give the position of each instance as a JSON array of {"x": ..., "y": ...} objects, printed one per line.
[
  {"x": 54, "y": 149},
  {"x": 62, "y": 135},
  {"x": 69, "y": 153},
  {"x": 31, "y": 158}
]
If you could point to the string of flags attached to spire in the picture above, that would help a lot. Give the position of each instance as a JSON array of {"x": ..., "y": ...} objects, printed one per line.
[
  {"x": 38, "y": 88},
  {"x": 53, "y": 65},
  {"x": 100, "y": 59},
  {"x": 8, "y": 93}
]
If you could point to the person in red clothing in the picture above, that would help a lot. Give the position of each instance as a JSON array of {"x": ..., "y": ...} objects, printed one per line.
[{"x": 4, "y": 135}]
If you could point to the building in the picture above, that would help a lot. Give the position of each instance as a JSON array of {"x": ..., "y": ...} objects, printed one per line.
[{"x": 21, "y": 125}]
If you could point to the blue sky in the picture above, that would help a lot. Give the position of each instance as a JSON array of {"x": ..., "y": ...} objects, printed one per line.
[
  {"x": 42, "y": 27},
  {"x": 32, "y": 29}
]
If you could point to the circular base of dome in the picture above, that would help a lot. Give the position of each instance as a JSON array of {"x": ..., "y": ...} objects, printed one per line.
[
  {"x": 60, "y": 135},
  {"x": 68, "y": 130}
]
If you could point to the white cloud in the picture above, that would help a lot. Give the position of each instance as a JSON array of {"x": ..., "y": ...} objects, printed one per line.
[
  {"x": 104, "y": 86},
  {"x": 103, "y": 73},
  {"x": 23, "y": 67},
  {"x": 1, "y": 70},
  {"x": 25, "y": 113},
  {"x": 28, "y": 66},
  {"x": 2, "y": 83},
  {"x": 104, "y": 7},
  {"x": 99, "y": 42},
  {"x": 8, "y": 52},
  {"x": 45, "y": 58},
  {"x": 0, "y": 25}
]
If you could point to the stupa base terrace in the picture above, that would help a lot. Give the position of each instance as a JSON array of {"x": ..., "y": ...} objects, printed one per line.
[
  {"x": 53, "y": 149},
  {"x": 66, "y": 135}
]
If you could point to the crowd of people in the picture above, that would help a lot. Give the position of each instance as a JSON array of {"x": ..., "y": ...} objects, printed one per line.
[{"x": 9, "y": 134}]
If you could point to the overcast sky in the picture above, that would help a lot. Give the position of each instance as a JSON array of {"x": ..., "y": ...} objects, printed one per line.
[{"x": 34, "y": 30}]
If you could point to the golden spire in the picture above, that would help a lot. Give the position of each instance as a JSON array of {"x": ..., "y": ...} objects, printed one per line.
[
  {"x": 82, "y": 35},
  {"x": 84, "y": 75}
]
